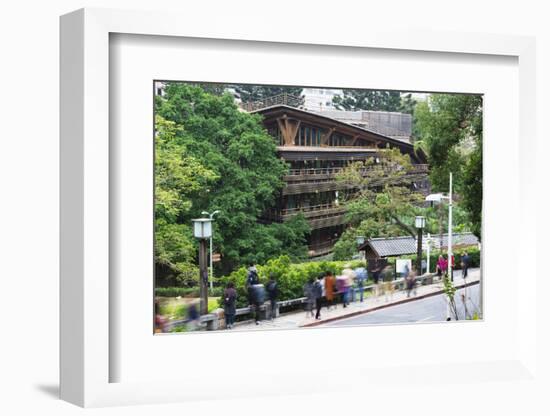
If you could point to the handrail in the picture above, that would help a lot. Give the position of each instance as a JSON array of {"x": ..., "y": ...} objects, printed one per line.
[
  {"x": 322, "y": 207},
  {"x": 399, "y": 282},
  {"x": 330, "y": 171}
]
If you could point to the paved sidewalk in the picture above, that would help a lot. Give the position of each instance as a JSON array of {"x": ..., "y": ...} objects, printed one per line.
[{"x": 298, "y": 319}]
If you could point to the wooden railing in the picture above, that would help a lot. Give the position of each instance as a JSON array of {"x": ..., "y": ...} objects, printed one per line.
[
  {"x": 313, "y": 209},
  {"x": 281, "y": 99},
  {"x": 420, "y": 168}
]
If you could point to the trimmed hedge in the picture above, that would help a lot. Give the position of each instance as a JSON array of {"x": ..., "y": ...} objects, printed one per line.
[{"x": 290, "y": 277}]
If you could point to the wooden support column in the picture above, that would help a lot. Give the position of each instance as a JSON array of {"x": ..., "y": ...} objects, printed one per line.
[
  {"x": 289, "y": 129},
  {"x": 326, "y": 136}
]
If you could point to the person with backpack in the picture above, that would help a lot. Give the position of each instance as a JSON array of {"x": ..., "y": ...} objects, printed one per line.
[
  {"x": 229, "y": 304},
  {"x": 318, "y": 294},
  {"x": 255, "y": 292},
  {"x": 272, "y": 294}
]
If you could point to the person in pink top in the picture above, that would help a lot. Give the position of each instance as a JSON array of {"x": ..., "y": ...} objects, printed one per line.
[{"x": 441, "y": 266}]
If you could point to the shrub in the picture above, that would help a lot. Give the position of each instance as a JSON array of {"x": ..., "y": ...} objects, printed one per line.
[{"x": 290, "y": 277}]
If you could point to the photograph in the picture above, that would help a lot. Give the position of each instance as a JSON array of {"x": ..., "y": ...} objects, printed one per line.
[{"x": 293, "y": 207}]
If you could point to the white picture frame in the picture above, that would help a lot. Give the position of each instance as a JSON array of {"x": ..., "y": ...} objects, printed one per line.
[{"x": 85, "y": 353}]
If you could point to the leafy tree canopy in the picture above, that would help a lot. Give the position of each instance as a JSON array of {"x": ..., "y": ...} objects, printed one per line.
[
  {"x": 385, "y": 204},
  {"x": 246, "y": 174},
  {"x": 258, "y": 92},
  {"x": 451, "y": 131},
  {"x": 368, "y": 100}
]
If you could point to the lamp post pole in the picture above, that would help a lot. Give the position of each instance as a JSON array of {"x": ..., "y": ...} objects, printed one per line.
[
  {"x": 438, "y": 198},
  {"x": 419, "y": 223},
  {"x": 203, "y": 270},
  {"x": 211, "y": 274},
  {"x": 429, "y": 241},
  {"x": 450, "y": 232},
  {"x": 202, "y": 230}
]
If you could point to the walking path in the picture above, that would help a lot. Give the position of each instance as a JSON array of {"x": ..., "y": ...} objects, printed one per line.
[{"x": 298, "y": 319}]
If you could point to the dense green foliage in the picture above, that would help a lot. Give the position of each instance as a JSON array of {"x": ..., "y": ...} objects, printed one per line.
[
  {"x": 178, "y": 179},
  {"x": 385, "y": 204},
  {"x": 258, "y": 92},
  {"x": 235, "y": 169},
  {"x": 291, "y": 277},
  {"x": 375, "y": 100},
  {"x": 451, "y": 131}
]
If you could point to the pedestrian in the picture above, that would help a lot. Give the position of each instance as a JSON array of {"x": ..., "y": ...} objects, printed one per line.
[
  {"x": 349, "y": 277},
  {"x": 441, "y": 266},
  {"x": 272, "y": 294},
  {"x": 193, "y": 315},
  {"x": 387, "y": 276},
  {"x": 465, "y": 264},
  {"x": 318, "y": 294},
  {"x": 452, "y": 267},
  {"x": 254, "y": 292},
  {"x": 361, "y": 278},
  {"x": 329, "y": 288},
  {"x": 229, "y": 304},
  {"x": 376, "y": 278},
  {"x": 410, "y": 282},
  {"x": 310, "y": 297}
]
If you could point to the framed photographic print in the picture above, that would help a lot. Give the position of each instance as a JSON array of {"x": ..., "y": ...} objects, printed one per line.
[{"x": 263, "y": 202}]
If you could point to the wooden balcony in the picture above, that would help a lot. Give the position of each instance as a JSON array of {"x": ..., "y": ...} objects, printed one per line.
[
  {"x": 301, "y": 181},
  {"x": 320, "y": 249},
  {"x": 318, "y": 216}
]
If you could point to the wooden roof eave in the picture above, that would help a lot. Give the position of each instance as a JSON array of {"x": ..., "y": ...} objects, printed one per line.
[{"x": 271, "y": 114}]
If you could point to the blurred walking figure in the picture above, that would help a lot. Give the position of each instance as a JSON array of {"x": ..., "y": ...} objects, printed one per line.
[
  {"x": 254, "y": 292},
  {"x": 330, "y": 281},
  {"x": 229, "y": 301},
  {"x": 160, "y": 321},
  {"x": 348, "y": 284},
  {"x": 272, "y": 294},
  {"x": 452, "y": 267},
  {"x": 310, "y": 297},
  {"x": 361, "y": 277},
  {"x": 441, "y": 266},
  {"x": 465, "y": 264},
  {"x": 318, "y": 293},
  {"x": 387, "y": 276},
  {"x": 193, "y": 315},
  {"x": 376, "y": 280},
  {"x": 410, "y": 282}
]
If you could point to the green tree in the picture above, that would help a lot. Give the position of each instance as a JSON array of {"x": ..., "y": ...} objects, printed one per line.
[
  {"x": 451, "y": 131},
  {"x": 258, "y": 92},
  {"x": 385, "y": 204},
  {"x": 368, "y": 100},
  {"x": 235, "y": 146},
  {"x": 178, "y": 177}
]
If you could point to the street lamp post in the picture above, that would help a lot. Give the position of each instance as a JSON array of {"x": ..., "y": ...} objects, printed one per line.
[
  {"x": 211, "y": 215},
  {"x": 419, "y": 222},
  {"x": 202, "y": 229},
  {"x": 439, "y": 198}
]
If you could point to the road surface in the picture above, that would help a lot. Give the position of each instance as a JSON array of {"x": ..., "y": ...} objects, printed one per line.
[{"x": 430, "y": 309}]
